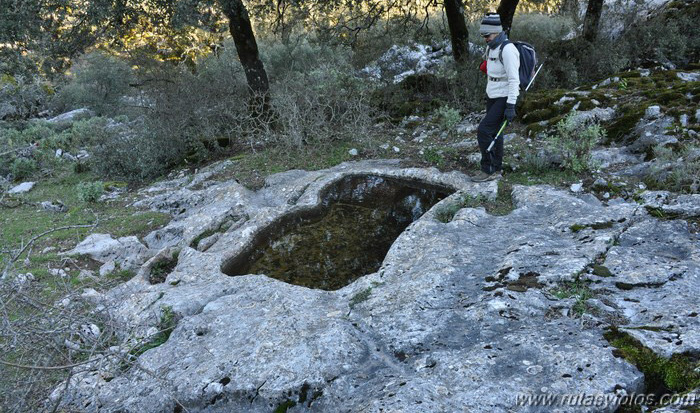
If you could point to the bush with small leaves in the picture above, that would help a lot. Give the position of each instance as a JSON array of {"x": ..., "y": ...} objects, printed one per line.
[
  {"x": 675, "y": 170},
  {"x": 22, "y": 168},
  {"x": 90, "y": 191},
  {"x": 99, "y": 82},
  {"x": 573, "y": 140},
  {"x": 448, "y": 117}
]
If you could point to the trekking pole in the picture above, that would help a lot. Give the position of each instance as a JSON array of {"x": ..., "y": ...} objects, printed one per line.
[{"x": 505, "y": 122}]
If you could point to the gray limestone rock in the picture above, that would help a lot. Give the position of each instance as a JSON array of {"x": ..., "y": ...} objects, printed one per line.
[
  {"x": 460, "y": 316},
  {"x": 655, "y": 278},
  {"x": 607, "y": 157},
  {"x": 651, "y": 133},
  {"x": 127, "y": 252},
  {"x": 72, "y": 116},
  {"x": 54, "y": 206},
  {"x": 22, "y": 188}
]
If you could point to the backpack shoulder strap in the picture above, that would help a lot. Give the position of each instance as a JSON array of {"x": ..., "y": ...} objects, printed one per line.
[{"x": 500, "y": 52}]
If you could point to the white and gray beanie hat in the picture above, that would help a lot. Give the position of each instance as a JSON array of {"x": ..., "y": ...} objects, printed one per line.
[{"x": 490, "y": 24}]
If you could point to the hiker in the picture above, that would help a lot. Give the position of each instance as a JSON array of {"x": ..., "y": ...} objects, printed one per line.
[{"x": 502, "y": 92}]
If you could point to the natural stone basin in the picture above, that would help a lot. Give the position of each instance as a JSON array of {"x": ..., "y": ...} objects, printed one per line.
[{"x": 344, "y": 238}]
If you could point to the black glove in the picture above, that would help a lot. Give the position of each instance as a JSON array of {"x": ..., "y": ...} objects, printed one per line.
[{"x": 510, "y": 111}]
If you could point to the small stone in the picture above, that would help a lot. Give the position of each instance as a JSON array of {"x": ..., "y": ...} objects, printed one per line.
[
  {"x": 22, "y": 188},
  {"x": 595, "y": 102},
  {"x": 576, "y": 188},
  {"x": 53, "y": 206},
  {"x": 396, "y": 149},
  {"x": 107, "y": 268},
  {"x": 600, "y": 183},
  {"x": 683, "y": 120},
  {"x": 65, "y": 302},
  {"x": 48, "y": 249},
  {"x": 688, "y": 77},
  {"x": 58, "y": 272},
  {"x": 652, "y": 111},
  {"x": 353, "y": 152},
  {"x": 86, "y": 274},
  {"x": 59, "y": 153},
  {"x": 23, "y": 280},
  {"x": 697, "y": 116},
  {"x": 71, "y": 345},
  {"x": 385, "y": 146},
  {"x": 644, "y": 72}
]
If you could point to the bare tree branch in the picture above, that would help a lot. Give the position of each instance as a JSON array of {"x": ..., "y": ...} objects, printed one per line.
[
  {"x": 31, "y": 241},
  {"x": 68, "y": 366}
]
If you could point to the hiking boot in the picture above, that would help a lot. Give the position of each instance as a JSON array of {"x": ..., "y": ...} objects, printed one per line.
[{"x": 482, "y": 176}]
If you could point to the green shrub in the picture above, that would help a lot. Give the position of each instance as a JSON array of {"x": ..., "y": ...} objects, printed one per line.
[
  {"x": 448, "y": 117},
  {"x": 22, "y": 168},
  {"x": 98, "y": 82},
  {"x": 319, "y": 107},
  {"x": 136, "y": 156},
  {"x": 684, "y": 176},
  {"x": 300, "y": 53},
  {"x": 84, "y": 133},
  {"x": 573, "y": 141},
  {"x": 23, "y": 97},
  {"x": 90, "y": 191}
]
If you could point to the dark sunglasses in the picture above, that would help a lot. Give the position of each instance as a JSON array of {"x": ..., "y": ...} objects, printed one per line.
[{"x": 486, "y": 35}]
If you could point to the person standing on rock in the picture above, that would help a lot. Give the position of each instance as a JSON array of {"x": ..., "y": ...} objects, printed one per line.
[{"x": 502, "y": 92}]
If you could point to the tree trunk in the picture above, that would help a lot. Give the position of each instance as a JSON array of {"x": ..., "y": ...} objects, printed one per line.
[
  {"x": 506, "y": 9},
  {"x": 454, "y": 9},
  {"x": 246, "y": 46},
  {"x": 592, "y": 19}
]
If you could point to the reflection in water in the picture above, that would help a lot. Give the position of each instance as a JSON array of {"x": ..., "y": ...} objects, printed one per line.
[{"x": 344, "y": 239}]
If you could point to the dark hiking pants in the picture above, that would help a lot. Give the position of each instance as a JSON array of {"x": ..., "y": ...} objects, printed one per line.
[{"x": 495, "y": 109}]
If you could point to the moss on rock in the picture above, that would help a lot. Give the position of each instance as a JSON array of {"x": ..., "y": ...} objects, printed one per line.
[{"x": 661, "y": 375}]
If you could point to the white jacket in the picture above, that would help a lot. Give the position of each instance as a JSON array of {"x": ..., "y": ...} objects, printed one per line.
[{"x": 506, "y": 72}]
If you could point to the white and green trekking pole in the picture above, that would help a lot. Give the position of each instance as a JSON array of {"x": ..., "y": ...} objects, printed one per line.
[{"x": 505, "y": 122}]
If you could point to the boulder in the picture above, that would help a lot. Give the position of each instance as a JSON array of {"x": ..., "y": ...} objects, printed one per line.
[
  {"x": 460, "y": 316},
  {"x": 127, "y": 252},
  {"x": 651, "y": 132},
  {"x": 22, "y": 188},
  {"x": 72, "y": 116}
]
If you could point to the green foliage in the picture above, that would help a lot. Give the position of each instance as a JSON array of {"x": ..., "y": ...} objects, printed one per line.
[
  {"x": 577, "y": 289},
  {"x": 684, "y": 173},
  {"x": 448, "y": 117},
  {"x": 22, "y": 168},
  {"x": 86, "y": 133},
  {"x": 161, "y": 269},
  {"x": 300, "y": 53},
  {"x": 166, "y": 326},
  {"x": 90, "y": 192},
  {"x": 661, "y": 375},
  {"x": 502, "y": 205},
  {"x": 447, "y": 211},
  {"x": 22, "y": 96},
  {"x": 433, "y": 156},
  {"x": 622, "y": 84},
  {"x": 135, "y": 155},
  {"x": 98, "y": 82},
  {"x": 573, "y": 141},
  {"x": 456, "y": 86}
]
